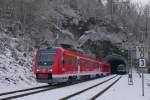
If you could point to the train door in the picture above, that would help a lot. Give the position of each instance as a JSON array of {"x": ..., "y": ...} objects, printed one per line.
[
  {"x": 64, "y": 64},
  {"x": 68, "y": 64},
  {"x": 78, "y": 67},
  {"x": 100, "y": 69}
]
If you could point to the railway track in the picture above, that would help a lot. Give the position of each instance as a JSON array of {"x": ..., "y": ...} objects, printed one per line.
[
  {"x": 6, "y": 93},
  {"x": 31, "y": 91},
  {"x": 94, "y": 86},
  {"x": 103, "y": 91},
  {"x": 24, "y": 92}
]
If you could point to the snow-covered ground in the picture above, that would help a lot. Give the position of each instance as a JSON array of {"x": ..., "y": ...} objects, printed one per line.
[
  {"x": 120, "y": 91},
  {"x": 56, "y": 94},
  {"x": 123, "y": 91}
]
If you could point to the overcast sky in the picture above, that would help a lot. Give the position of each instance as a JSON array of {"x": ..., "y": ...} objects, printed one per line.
[{"x": 144, "y": 2}]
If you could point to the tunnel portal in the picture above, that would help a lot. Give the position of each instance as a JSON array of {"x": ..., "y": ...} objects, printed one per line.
[{"x": 115, "y": 61}]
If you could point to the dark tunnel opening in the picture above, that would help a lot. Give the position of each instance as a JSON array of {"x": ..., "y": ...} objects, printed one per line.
[
  {"x": 114, "y": 66},
  {"x": 118, "y": 64}
]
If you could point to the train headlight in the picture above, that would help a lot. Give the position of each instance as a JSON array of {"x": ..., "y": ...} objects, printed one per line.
[
  {"x": 50, "y": 70},
  {"x": 37, "y": 70}
]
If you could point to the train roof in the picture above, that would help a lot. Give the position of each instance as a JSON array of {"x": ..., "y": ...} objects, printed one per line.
[{"x": 73, "y": 51}]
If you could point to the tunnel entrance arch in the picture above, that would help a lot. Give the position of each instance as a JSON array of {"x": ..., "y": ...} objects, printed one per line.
[{"x": 115, "y": 60}]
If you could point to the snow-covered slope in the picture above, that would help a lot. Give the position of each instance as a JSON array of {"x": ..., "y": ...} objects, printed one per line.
[{"x": 15, "y": 64}]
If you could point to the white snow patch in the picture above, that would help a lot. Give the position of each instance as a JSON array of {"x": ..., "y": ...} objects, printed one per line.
[
  {"x": 123, "y": 91},
  {"x": 120, "y": 91}
]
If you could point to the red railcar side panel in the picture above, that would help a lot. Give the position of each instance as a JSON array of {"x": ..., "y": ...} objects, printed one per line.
[{"x": 66, "y": 63}]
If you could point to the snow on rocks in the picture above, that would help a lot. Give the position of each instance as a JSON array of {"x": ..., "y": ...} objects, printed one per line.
[{"x": 15, "y": 68}]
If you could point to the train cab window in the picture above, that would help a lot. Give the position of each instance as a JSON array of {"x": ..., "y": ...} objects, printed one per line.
[
  {"x": 46, "y": 57},
  {"x": 63, "y": 59}
]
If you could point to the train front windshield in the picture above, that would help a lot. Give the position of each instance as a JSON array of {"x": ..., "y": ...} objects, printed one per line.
[{"x": 46, "y": 58}]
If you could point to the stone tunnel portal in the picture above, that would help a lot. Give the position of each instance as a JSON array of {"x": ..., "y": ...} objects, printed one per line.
[{"x": 116, "y": 61}]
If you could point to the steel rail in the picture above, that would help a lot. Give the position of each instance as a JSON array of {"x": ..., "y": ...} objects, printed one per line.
[
  {"x": 46, "y": 88},
  {"x": 103, "y": 91},
  {"x": 79, "y": 92},
  {"x": 23, "y": 90}
]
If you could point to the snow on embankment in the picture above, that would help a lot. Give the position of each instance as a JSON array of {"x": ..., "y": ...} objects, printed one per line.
[{"x": 15, "y": 65}]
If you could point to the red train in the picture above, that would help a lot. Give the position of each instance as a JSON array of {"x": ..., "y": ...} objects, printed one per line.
[{"x": 57, "y": 64}]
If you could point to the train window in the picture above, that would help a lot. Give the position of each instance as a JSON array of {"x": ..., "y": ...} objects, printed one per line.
[
  {"x": 89, "y": 64},
  {"x": 72, "y": 61},
  {"x": 84, "y": 63},
  {"x": 93, "y": 64},
  {"x": 46, "y": 57},
  {"x": 63, "y": 60},
  {"x": 81, "y": 63},
  {"x": 69, "y": 61}
]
